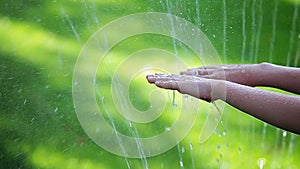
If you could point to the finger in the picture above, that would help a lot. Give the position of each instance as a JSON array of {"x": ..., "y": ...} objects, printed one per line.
[
  {"x": 191, "y": 88},
  {"x": 164, "y": 77},
  {"x": 206, "y": 76},
  {"x": 198, "y": 71},
  {"x": 150, "y": 78},
  {"x": 190, "y": 72},
  {"x": 173, "y": 81},
  {"x": 183, "y": 87},
  {"x": 161, "y": 78},
  {"x": 173, "y": 85}
]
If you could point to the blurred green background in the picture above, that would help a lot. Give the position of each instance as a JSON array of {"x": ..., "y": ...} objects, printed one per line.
[{"x": 39, "y": 44}]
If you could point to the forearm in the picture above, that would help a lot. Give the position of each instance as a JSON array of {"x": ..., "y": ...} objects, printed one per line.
[
  {"x": 277, "y": 109},
  {"x": 280, "y": 110},
  {"x": 286, "y": 78}
]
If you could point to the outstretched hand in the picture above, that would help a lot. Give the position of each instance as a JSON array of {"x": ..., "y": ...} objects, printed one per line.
[
  {"x": 231, "y": 83},
  {"x": 239, "y": 73},
  {"x": 192, "y": 85}
]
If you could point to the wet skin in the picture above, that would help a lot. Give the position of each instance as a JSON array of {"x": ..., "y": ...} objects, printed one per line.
[{"x": 209, "y": 83}]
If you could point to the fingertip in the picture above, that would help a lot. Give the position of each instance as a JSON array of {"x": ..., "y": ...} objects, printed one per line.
[{"x": 150, "y": 78}]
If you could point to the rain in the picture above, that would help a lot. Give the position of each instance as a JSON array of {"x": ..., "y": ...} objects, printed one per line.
[{"x": 74, "y": 93}]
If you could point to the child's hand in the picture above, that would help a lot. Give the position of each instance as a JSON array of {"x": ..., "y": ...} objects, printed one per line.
[
  {"x": 246, "y": 74},
  {"x": 192, "y": 85}
]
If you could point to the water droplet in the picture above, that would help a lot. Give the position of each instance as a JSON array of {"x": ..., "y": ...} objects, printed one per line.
[
  {"x": 55, "y": 110},
  {"x": 25, "y": 101},
  {"x": 102, "y": 98},
  {"x": 191, "y": 146},
  {"x": 261, "y": 162},
  {"x": 214, "y": 36},
  {"x": 217, "y": 160},
  {"x": 168, "y": 128},
  {"x": 240, "y": 150},
  {"x": 32, "y": 120},
  {"x": 130, "y": 124},
  {"x": 224, "y": 132},
  {"x": 185, "y": 97},
  {"x": 173, "y": 100},
  {"x": 218, "y": 147},
  {"x": 284, "y": 133},
  {"x": 97, "y": 130},
  {"x": 216, "y": 119},
  {"x": 181, "y": 163},
  {"x": 182, "y": 150},
  {"x": 193, "y": 31},
  {"x": 17, "y": 139}
]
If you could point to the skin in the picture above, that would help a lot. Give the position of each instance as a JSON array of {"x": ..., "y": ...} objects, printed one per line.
[{"x": 280, "y": 110}]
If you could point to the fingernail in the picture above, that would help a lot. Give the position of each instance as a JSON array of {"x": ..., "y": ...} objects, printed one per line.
[{"x": 149, "y": 76}]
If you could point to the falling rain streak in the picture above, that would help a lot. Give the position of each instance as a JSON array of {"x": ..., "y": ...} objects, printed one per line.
[
  {"x": 292, "y": 34},
  {"x": 244, "y": 31},
  {"x": 250, "y": 49},
  {"x": 260, "y": 21},
  {"x": 253, "y": 30},
  {"x": 224, "y": 30},
  {"x": 273, "y": 34}
]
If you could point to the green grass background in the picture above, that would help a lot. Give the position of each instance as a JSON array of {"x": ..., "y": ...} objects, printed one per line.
[{"x": 40, "y": 41}]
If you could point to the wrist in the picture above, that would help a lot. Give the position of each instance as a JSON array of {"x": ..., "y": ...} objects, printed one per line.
[{"x": 218, "y": 89}]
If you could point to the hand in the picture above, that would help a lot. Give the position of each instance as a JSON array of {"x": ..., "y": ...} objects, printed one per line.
[
  {"x": 246, "y": 74},
  {"x": 192, "y": 85}
]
